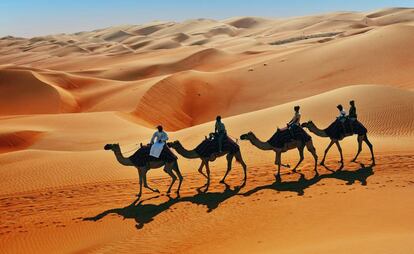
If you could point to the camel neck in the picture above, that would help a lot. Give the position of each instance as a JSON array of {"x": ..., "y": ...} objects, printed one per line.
[
  {"x": 189, "y": 154},
  {"x": 319, "y": 132},
  {"x": 259, "y": 144},
  {"x": 121, "y": 159}
]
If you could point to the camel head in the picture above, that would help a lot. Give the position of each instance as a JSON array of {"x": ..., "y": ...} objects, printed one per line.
[
  {"x": 307, "y": 124},
  {"x": 246, "y": 136},
  {"x": 174, "y": 144},
  {"x": 111, "y": 146}
]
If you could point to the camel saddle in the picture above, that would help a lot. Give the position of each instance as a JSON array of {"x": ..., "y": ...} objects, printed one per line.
[
  {"x": 349, "y": 127},
  {"x": 210, "y": 147},
  {"x": 141, "y": 157},
  {"x": 281, "y": 137}
]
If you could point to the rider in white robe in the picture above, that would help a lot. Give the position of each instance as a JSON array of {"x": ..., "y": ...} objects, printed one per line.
[{"x": 158, "y": 141}]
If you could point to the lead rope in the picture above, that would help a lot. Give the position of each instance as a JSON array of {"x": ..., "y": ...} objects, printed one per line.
[{"x": 131, "y": 150}]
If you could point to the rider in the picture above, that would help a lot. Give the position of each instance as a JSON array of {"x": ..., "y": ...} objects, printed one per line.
[
  {"x": 342, "y": 117},
  {"x": 295, "y": 122},
  {"x": 160, "y": 135},
  {"x": 342, "y": 113},
  {"x": 296, "y": 117},
  {"x": 158, "y": 141},
  {"x": 352, "y": 111},
  {"x": 220, "y": 132}
]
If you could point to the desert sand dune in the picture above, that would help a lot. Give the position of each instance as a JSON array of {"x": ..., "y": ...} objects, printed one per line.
[
  {"x": 11, "y": 141},
  {"x": 39, "y": 97},
  {"x": 64, "y": 96},
  {"x": 150, "y": 28}
]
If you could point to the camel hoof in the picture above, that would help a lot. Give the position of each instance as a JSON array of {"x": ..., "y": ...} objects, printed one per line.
[
  {"x": 156, "y": 190},
  {"x": 243, "y": 185},
  {"x": 222, "y": 181},
  {"x": 322, "y": 163},
  {"x": 278, "y": 179}
]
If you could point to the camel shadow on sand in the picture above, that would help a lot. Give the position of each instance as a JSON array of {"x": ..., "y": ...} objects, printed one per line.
[
  {"x": 299, "y": 186},
  {"x": 144, "y": 213}
]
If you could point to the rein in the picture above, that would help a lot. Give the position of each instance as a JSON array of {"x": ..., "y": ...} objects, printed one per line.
[{"x": 131, "y": 150}]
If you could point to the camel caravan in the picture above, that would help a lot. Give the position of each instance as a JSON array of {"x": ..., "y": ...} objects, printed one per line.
[{"x": 158, "y": 152}]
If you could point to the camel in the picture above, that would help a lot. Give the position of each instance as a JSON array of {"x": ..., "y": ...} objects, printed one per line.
[
  {"x": 192, "y": 154},
  {"x": 169, "y": 167},
  {"x": 300, "y": 145},
  {"x": 362, "y": 137}
]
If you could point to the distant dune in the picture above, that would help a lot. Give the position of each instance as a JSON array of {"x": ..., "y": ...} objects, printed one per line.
[{"x": 64, "y": 96}]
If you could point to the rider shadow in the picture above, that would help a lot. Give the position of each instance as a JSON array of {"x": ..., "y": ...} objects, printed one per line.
[
  {"x": 302, "y": 183},
  {"x": 145, "y": 213}
]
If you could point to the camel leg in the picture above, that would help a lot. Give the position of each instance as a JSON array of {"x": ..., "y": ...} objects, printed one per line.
[
  {"x": 281, "y": 164},
  {"x": 312, "y": 150},
  {"x": 229, "y": 158},
  {"x": 180, "y": 177},
  {"x": 360, "y": 138},
  {"x": 144, "y": 178},
  {"x": 326, "y": 152},
  {"x": 340, "y": 153},
  {"x": 278, "y": 160},
  {"x": 168, "y": 170},
  {"x": 370, "y": 148},
  {"x": 239, "y": 158},
  {"x": 200, "y": 169},
  {"x": 140, "y": 183},
  {"x": 300, "y": 158},
  {"x": 208, "y": 175}
]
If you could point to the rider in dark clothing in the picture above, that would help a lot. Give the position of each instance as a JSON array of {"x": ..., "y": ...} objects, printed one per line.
[
  {"x": 220, "y": 131},
  {"x": 352, "y": 111},
  {"x": 295, "y": 122},
  {"x": 341, "y": 118}
]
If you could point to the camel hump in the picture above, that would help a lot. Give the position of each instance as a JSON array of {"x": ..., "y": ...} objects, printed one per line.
[
  {"x": 339, "y": 130},
  {"x": 142, "y": 156},
  {"x": 282, "y": 137},
  {"x": 209, "y": 147}
]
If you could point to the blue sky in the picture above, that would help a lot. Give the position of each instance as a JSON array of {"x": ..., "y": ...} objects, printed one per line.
[{"x": 40, "y": 17}]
